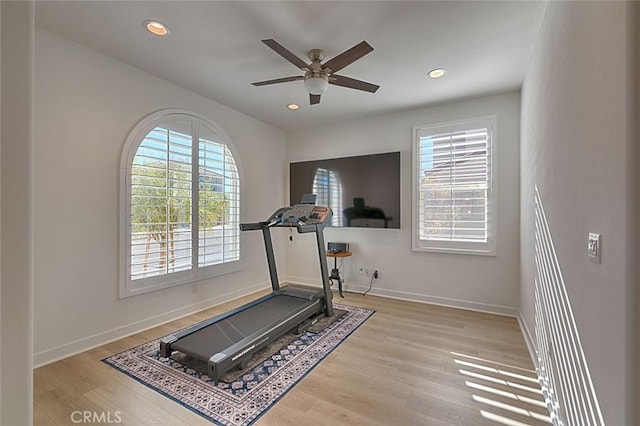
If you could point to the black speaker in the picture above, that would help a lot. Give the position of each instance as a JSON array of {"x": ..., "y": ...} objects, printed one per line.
[{"x": 337, "y": 247}]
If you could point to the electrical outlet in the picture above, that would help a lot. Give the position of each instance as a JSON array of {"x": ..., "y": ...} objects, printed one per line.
[
  {"x": 376, "y": 274},
  {"x": 361, "y": 271}
]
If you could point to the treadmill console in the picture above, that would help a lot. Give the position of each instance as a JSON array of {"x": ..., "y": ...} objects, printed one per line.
[
  {"x": 305, "y": 217},
  {"x": 300, "y": 215}
]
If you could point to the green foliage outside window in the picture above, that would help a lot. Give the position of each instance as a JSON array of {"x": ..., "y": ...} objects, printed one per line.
[{"x": 161, "y": 207}]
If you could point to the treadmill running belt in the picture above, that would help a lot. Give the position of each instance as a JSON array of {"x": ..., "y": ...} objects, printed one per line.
[{"x": 219, "y": 336}]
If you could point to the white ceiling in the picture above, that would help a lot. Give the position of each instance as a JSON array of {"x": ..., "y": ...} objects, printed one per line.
[{"x": 214, "y": 49}]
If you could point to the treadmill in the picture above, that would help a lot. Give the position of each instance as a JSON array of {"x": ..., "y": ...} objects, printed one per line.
[{"x": 229, "y": 340}]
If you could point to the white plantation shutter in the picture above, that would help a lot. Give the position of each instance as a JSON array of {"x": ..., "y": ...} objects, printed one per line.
[
  {"x": 453, "y": 195},
  {"x": 219, "y": 186},
  {"x": 181, "y": 189},
  {"x": 161, "y": 204}
]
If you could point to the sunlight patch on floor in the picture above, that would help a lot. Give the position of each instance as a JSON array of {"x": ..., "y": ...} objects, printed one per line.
[
  {"x": 496, "y": 370},
  {"x": 506, "y": 394},
  {"x": 501, "y": 419},
  {"x": 500, "y": 381},
  {"x": 509, "y": 395}
]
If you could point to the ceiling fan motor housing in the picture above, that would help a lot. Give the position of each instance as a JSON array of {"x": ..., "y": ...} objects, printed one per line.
[{"x": 315, "y": 55}]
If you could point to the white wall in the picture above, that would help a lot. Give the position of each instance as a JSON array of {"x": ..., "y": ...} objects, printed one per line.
[
  {"x": 578, "y": 150},
  {"x": 633, "y": 290},
  {"x": 477, "y": 282},
  {"x": 16, "y": 324},
  {"x": 1, "y": 365},
  {"x": 85, "y": 105}
]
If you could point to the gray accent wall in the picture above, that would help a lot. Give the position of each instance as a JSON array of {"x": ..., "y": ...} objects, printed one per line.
[{"x": 579, "y": 151}]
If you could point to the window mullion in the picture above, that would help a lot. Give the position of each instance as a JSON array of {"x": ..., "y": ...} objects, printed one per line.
[
  {"x": 167, "y": 204},
  {"x": 224, "y": 191},
  {"x": 451, "y": 177},
  {"x": 195, "y": 195}
]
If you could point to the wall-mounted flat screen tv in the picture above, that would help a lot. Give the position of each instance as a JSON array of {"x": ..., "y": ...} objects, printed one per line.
[{"x": 362, "y": 191}]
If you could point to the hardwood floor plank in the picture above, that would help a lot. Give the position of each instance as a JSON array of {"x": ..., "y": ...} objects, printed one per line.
[
  {"x": 142, "y": 410},
  {"x": 409, "y": 364}
]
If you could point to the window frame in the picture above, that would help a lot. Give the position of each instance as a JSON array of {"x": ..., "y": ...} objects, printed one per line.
[
  {"x": 488, "y": 248},
  {"x": 128, "y": 287}
]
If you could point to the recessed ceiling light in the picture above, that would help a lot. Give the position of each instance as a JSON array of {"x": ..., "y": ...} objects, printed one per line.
[
  {"x": 437, "y": 73},
  {"x": 156, "y": 28},
  {"x": 293, "y": 107}
]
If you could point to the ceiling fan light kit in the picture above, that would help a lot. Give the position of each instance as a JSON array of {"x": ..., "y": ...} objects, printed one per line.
[
  {"x": 318, "y": 76},
  {"x": 316, "y": 84}
]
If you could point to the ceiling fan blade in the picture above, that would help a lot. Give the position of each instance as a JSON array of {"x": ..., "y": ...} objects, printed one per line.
[
  {"x": 352, "y": 83},
  {"x": 314, "y": 99},
  {"x": 282, "y": 51},
  {"x": 347, "y": 57},
  {"x": 278, "y": 80}
]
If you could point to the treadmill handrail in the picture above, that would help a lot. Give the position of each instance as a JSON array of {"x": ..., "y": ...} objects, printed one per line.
[
  {"x": 252, "y": 226},
  {"x": 302, "y": 228}
]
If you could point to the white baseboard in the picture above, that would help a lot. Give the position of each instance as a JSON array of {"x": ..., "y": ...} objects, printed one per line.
[
  {"x": 72, "y": 348},
  {"x": 81, "y": 345},
  {"x": 422, "y": 298},
  {"x": 528, "y": 339}
]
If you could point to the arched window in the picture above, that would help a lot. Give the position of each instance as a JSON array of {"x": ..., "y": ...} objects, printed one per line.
[
  {"x": 328, "y": 189},
  {"x": 181, "y": 197}
]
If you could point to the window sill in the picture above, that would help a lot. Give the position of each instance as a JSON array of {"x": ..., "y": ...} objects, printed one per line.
[
  {"x": 491, "y": 252},
  {"x": 147, "y": 285}
]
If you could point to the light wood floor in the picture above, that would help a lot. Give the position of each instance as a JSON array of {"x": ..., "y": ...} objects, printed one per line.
[{"x": 409, "y": 364}]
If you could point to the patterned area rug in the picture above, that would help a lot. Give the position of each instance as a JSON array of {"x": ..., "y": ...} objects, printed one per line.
[{"x": 244, "y": 399}]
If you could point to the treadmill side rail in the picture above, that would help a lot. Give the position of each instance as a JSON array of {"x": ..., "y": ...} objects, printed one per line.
[
  {"x": 165, "y": 345},
  {"x": 212, "y": 365}
]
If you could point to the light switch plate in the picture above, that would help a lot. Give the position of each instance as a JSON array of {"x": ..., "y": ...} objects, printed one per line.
[{"x": 594, "y": 247}]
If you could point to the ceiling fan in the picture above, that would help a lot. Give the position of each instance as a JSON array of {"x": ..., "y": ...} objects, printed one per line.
[{"x": 319, "y": 75}]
